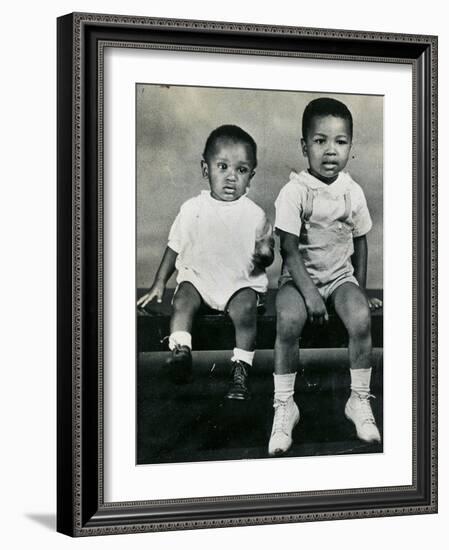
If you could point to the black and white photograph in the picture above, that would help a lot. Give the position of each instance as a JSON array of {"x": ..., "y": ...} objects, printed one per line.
[
  {"x": 259, "y": 276},
  {"x": 183, "y": 182},
  {"x": 246, "y": 274}
]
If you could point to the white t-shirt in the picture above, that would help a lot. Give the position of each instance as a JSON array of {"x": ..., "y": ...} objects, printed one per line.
[{"x": 215, "y": 243}]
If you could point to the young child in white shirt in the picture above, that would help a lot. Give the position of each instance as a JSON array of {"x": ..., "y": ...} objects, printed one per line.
[
  {"x": 220, "y": 243},
  {"x": 322, "y": 220}
]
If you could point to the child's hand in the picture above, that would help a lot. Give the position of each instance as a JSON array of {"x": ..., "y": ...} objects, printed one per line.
[
  {"x": 374, "y": 303},
  {"x": 316, "y": 309},
  {"x": 263, "y": 255},
  {"x": 156, "y": 291}
]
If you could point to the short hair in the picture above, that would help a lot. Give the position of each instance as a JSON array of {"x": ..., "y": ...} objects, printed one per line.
[
  {"x": 232, "y": 133},
  {"x": 325, "y": 106}
]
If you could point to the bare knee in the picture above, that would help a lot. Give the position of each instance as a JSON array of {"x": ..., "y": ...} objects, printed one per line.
[
  {"x": 186, "y": 299},
  {"x": 359, "y": 323},
  {"x": 289, "y": 323},
  {"x": 243, "y": 307}
]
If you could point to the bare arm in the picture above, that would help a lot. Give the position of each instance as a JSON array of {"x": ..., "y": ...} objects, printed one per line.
[
  {"x": 163, "y": 274},
  {"x": 314, "y": 303},
  {"x": 360, "y": 262}
]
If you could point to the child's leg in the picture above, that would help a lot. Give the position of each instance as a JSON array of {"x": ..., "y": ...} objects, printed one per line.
[
  {"x": 351, "y": 305},
  {"x": 291, "y": 315},
  {"x": 186, "y": 303},
  {"x": 242, "y": 309}
]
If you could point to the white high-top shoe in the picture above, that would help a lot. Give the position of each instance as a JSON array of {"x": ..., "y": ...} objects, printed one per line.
[
  {"x": 358, "y": 410},
  {"x": 286, "y": 416}
]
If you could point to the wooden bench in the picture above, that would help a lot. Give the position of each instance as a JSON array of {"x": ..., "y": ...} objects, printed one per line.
[{"x": 215, "y": 331}]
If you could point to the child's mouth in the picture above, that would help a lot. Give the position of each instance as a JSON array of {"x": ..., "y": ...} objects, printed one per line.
[{"x": 330, "y": 165}]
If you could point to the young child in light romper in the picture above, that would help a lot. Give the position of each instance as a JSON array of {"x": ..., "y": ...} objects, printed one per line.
[
  {"x": 322, "y": 220},
  {"x": 220, "y": 243}
]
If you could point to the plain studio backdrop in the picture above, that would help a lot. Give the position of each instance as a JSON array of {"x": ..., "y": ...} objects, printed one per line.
[
  {"x": 28, "y": 221},
  {"x": 173, "y": 123}
]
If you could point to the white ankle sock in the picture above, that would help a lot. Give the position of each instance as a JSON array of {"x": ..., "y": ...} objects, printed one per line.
[
  {"x": 180, "y": 338},
  {"x": 284, "y": 385},
  {"x": 360, "y": 380},
  {"x": 243, "y": 355}
]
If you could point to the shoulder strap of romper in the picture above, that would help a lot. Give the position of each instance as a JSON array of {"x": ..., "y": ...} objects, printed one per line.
[{"x": 308, "y": 207}]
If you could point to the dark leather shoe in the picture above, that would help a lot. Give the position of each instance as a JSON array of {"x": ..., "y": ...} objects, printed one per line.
[
  {"x": 180, "y": 365},
  {"x": 238, "y": 387}
]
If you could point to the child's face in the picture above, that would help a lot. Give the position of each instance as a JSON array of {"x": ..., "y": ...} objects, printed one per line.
[
  {"x": 229, "y": 169},
  {"x": 327, "y": 146}
]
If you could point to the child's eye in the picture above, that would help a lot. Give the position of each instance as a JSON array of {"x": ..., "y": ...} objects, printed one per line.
[
  {"x": 342, "y": 142},
  {"x": 320, "y": 141},
  {"x": 222, "y": 165},
  {"x": 243, "y": 170}
]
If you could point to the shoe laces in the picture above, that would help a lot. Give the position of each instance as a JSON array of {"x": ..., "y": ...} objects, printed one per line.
[
  {"x": 365, "y": 408},
  {"x": 239, "y": 374},
  {"x": 280, "y": 416},
  {"x": 179, "y": 350}
]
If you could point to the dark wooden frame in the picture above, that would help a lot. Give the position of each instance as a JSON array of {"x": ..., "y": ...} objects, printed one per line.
[{"x": 81, "y": 509}]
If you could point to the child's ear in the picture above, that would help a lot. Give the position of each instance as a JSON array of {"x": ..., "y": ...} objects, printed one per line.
[
  {"x": 253, "y": 173},
  {"x": 204, "y": 169},
  {"x": 351, "y": 149},
  {"x": 304, "y": 147}
]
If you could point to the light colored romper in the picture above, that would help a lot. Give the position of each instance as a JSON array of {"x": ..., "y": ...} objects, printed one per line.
[
  {"x": 326, "y": 218},
  {"x": 215, "y": 242}
]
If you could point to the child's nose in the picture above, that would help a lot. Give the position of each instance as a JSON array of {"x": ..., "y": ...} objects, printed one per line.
[{"x": 330, "y": 150}]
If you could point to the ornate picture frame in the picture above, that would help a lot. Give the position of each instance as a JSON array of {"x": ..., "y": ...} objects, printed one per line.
[{"x": 82, "y": 508}]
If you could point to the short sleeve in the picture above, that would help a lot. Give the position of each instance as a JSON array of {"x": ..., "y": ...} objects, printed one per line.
[
  {"x": 289, "y": 208},
  {"x": 360, "y": 215},
  {"x": 174, "y": 237}
]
